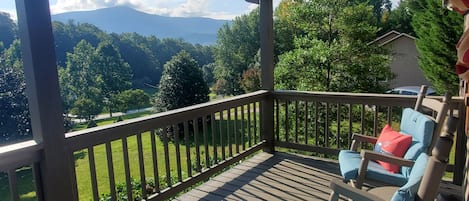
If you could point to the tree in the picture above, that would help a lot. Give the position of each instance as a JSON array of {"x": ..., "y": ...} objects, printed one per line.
[
  {"x": 235, "y": 50},
  {"x": 331, "y": 53},
  {"x": 14, "y": 112},
  {"x": 134, "y": 50},
  {"x": 181, "y": 84},
  {"x": 399, "y": 19},
  {"x": 79, "y": 83},
  {"x": 437, "y": 34},
  {"x": 132, "y": 99},
  {"x": 113, "y": 75},
  {"x": 8, "y": 29}
]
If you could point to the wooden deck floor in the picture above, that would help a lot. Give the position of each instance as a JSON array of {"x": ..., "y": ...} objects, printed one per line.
[{"x": 282, "y": 176}]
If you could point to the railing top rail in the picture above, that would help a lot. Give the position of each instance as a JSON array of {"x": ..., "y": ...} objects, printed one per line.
[
  {"x": 19, "y": 154},
  {"x": 81, "y": 139},
  {"x": 356, "y": 98}
]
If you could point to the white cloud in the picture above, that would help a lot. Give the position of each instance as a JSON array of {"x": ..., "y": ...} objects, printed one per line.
[{"x": 177, "y": 8}]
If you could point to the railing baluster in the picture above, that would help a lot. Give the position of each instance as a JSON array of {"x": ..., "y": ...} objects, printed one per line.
[
  {"x": 389, "y": 115},
  {"x": 188, "y": 148},
  {"x": 306, "y": 122},
  {"x": 141, "y": 163},
  {"x": 178, "y": 151},
  {"x": 196, "y": 141},
  {"x": 128, "y": 180},
  {"x": 230, "y": 148},
  {"x": 243, "y": 132},
  {"x": 13, "y": 182},
  {"x": 326, "y": 126},
  {"x": 154, "y": 155},
  {"x": 362, "y": 120},
  {"x": 214, "y": 142},
  {"x": 249, "y": 125},
  {"x": 94, "y": 182},
  {"x": 316, "y": 119},
  {"x": 339, "y": 108},
  {"x": 207, "y": 152},
  {"x": 110, "y": 168},
  {"x": 38, "y": 180},
  {"x": 287, "y": 121},
  {"x": 350, "y": 126},
  {"x": 222, "y": 133},
  {"x": 255, "y": 122},
  {"x": 166, "y": 156},
  {"x": 236, "y": 131},
  {"x": 277, "y": 119},
  {"x": 375, "y": 120},
  {"x": 296, "y": 121}
]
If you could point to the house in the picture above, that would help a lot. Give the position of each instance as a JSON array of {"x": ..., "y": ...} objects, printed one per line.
[{"x": 404, "y": 62}]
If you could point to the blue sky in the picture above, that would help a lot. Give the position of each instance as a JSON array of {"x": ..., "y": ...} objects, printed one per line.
[{"x": 218, "y": 9}]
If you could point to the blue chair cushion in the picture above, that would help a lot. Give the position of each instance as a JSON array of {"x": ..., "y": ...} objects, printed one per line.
[
  {"x": 349, "y": 162},
  {"x": 418, "y": 125},
  {"x": 408, "y": 191},
  {"x": 415, "y": 150}
]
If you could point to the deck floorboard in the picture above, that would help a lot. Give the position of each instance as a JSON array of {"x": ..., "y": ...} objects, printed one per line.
[{"x": 279, "y": 176}]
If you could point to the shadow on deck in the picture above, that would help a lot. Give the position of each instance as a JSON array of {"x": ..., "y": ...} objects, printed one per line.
[{"x": 279, "y": 176}]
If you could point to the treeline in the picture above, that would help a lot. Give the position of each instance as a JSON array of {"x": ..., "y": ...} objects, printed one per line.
[{"x": 101, "y": 72}]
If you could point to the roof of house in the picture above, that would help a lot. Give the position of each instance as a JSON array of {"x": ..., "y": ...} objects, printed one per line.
[{"x": 390, "y": 37}]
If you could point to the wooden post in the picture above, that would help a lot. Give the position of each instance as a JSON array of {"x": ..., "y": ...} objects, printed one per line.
[
  {"x": 44, "y": 101},
  {"x": 267, "y": 68}
]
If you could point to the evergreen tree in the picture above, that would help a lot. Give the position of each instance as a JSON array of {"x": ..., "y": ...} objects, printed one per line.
[
  {"x": 8, "y": 29},
  {"x": 14, "y": 113},
  {"x": 181, "y": 84},
  {"x": 437, "y": 33}
]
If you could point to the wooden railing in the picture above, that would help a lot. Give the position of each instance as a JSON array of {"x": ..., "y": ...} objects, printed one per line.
[
  {"x": 168, "y": 152},
  {"x": 322, "y": 122},
  {"x": 159, "y": 156}
]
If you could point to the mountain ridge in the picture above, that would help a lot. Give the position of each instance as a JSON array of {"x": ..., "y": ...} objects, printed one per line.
[{"x": 121, "y": 19}]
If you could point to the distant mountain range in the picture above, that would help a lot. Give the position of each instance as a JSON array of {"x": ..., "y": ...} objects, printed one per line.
[{"x": 124, "y": 19}]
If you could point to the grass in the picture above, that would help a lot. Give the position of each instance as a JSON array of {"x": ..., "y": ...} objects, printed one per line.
[{"x": 83, "y": 171}]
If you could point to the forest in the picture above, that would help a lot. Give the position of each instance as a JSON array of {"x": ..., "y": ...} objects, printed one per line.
[{"x": 320, "y": 45}]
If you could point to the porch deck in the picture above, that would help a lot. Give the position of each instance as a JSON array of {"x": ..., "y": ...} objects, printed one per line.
[{"x": 281, "y": 176}]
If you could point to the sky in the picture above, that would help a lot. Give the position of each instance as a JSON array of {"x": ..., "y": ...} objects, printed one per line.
[{"x": 217, "y": 9}]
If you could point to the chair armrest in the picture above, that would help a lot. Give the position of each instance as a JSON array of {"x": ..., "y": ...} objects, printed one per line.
[
  {"x": 340, "y": 188},
  {"x": 368, "y": 155},
  {"x": 357, "y": 138},
  {"x": 371, "y": 155}
]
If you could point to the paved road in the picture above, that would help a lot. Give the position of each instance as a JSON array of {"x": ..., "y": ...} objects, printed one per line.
[{"x": 114, "y": 114}]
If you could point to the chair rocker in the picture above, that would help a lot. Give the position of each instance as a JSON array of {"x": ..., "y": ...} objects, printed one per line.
[
  {"x": 356, "y": 167},
  {"x": 424, "y": 178}
]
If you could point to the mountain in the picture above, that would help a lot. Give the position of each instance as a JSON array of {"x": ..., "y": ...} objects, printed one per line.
[{"x": 124, "y": 19}]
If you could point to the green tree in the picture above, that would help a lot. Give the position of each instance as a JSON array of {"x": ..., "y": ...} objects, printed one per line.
[
  {"x": 399, "y": 19},
  {"x": 113, "y": 75},
  {"x": 132, "y": 99},
  {"x": 79, "y": 81},
  {"x": 437, "y": 33},
  {"x": 331, "y": 53},
  {"x": 8, "y": 29},
  {"x": 14, "y": 112},
  {"x": 134, "y": 50},
  {"x": 235, "y": 50},
  {"x": 181, "y": 84}
]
